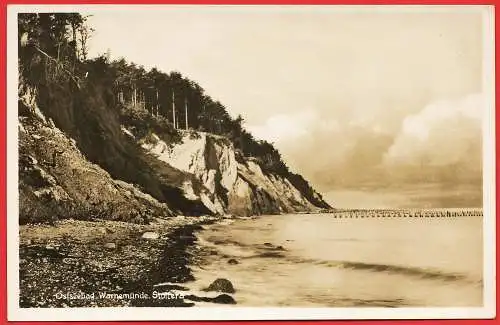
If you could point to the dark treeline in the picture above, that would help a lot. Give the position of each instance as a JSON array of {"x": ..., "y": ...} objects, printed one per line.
[
  {"x": 53, "y": 47},
  {"x": 185, "y": 105}
]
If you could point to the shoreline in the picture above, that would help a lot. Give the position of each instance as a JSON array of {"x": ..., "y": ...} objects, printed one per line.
[
  {"x": 107, "y": 263},
  {"x": 103, "y": 263}
]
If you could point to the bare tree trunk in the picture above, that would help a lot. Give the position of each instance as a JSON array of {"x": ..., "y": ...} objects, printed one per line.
[
  {"x": 186, "y": 112},
  {"x": 157, "y": 104},
  {"x": 134, "y": 100},
  {"x": 173, "y": 109}
]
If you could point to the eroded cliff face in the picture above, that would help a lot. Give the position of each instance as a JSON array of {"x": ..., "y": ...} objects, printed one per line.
[
  {"x": 235, "y": 186},
  {"x": 67, "y": 174},
  {"x": 56, "y": 181}
]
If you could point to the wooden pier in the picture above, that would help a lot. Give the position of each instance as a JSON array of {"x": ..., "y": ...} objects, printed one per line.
[{"x": 407, "y": 213}]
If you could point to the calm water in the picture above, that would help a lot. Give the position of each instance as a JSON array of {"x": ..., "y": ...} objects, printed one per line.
[{"x": 331, "y": 262}]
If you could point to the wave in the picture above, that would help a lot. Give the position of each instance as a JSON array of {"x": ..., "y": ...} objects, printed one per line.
[
  {"x": 422, "y": 273},
  {"x": 405, "y": 270},
  {"x": 244, "y": 251},
  {"x": 270, "y": 254},
  {"x": 389, "y": 303}
]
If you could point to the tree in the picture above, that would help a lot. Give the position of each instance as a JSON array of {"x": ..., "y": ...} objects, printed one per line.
[
  {"x": 85, "y": 33},
  {"x": 47, "y": 50},
  {"x": 75, "y": 21},
  {"x": 176, "y": 84},
  {"x": 50, "y": 42}
]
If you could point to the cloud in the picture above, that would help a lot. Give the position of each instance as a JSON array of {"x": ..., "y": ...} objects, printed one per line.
[
  {"x": 286, "y": 128},
  {"x": 439, "y": 144},
  {"x": 443, "y": 133},
  {"x": 343, "y": 95}
]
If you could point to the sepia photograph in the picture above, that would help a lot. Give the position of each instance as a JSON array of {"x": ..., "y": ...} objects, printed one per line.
[{"x": 181, "y": 162}]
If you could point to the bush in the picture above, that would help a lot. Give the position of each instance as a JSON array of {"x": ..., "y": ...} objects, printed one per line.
[
  {"x": 144, "y": 123},
  {"x": 309, "y": 193}
]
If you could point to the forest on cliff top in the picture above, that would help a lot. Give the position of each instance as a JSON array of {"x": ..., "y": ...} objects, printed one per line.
[{"x": 89, "y": 98}]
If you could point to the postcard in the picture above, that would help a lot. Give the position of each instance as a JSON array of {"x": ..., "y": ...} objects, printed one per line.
[{"x": 230, "y": 162}]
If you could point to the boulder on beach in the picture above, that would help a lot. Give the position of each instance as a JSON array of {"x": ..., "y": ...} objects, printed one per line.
[
  {"x": 271, "y": 246},
  {"x": 220, "y": 299},
  {"x": 221, "y": 285},
  {"x": 232, "y": 261},
  {"x": 224, "y": 299},
  {"x": 110, "y": 245},
  {"x": 150, "y": 235}
]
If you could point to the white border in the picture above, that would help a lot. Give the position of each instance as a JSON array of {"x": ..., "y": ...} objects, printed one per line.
[{"x": 14, "y": 313}]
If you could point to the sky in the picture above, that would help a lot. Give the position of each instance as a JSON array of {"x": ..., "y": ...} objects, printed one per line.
[{"x": 356, "y": 101}]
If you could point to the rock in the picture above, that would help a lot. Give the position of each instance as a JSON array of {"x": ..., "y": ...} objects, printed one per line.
[
  {"x": 280, "y": 248},
  {"x": 110, "y": 245},
  {"x": 196, "y": 298},
  {"x": 40, "y": 178},
  {"x": 233, "y": 262},
  {"x": 139, "y": 220},
  {"x": 268, "y": 244},
  {"x": 68, "y": 261},
  {"x": 27, "y": 162},
  {"x": 224, "y": 299},
  {"x": 51, "y": 123},
  {"x": 220, "y": 299},
  {"x": 21, "y": 127},
  {"x": 271, "y": 254},
  {"x": 222, "y": 285},
  {"x": 150, "y": 235}
]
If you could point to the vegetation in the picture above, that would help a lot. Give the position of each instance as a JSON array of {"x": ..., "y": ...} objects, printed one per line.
[
  {"x": 102, "y": 94},
  {"x": 143, "y": 123}
]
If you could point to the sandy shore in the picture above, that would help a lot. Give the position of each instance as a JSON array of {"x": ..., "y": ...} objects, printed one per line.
[{"x": 107, "y": 263}]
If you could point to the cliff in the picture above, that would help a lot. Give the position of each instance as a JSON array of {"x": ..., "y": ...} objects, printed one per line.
[
  {"x": 236, "y": 186},
  {"x": 79, "y": 159},
  {"x": 56, "y": 181}
]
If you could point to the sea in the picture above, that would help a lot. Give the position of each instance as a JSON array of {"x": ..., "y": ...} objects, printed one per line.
[{"x": 322, "y": 260}]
